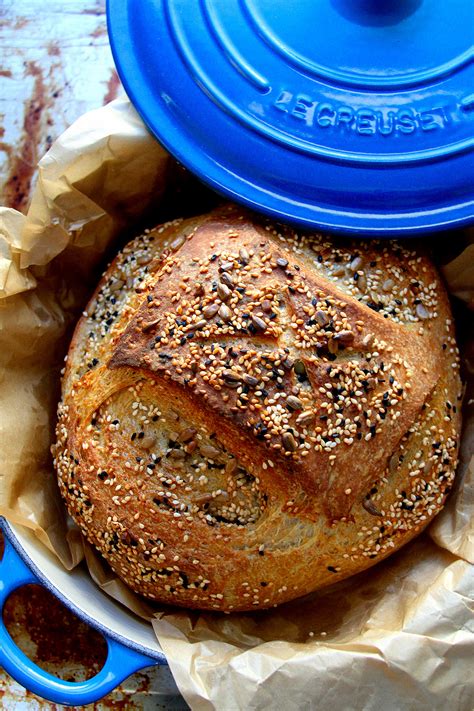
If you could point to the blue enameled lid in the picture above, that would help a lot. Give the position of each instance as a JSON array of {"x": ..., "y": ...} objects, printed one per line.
[{"x": 352, "y": 115}]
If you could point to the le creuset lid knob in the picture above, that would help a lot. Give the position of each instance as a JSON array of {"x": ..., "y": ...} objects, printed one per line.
[{"x": 351, "y": 115}]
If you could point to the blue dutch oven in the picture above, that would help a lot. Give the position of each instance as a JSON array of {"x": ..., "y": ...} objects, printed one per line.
[
  {"x": 131, "y": 642},
  {"x": 348, "y": 115}
]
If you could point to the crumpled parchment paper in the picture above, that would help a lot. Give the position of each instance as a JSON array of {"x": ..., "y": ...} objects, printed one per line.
[{"x": 400, "y": 636}]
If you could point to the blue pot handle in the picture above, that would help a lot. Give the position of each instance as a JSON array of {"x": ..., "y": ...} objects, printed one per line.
[{"x": 120, "y": 663}]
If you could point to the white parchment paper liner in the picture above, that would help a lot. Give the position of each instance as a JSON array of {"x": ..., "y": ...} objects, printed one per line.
[{"x": 400, "y": 636}]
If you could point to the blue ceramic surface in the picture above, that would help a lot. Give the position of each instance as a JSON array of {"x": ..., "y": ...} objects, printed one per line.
[
  {"x": 353, "y": 115},
  {"x": 122, "y": 659}
]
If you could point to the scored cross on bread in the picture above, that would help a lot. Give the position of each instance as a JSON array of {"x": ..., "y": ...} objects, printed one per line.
[
  {"x": 285, "y": 341},
  {"x": 284, "y": 391}
]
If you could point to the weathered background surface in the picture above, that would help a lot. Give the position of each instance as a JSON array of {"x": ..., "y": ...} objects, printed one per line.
[{"x": 55, "y": 64}]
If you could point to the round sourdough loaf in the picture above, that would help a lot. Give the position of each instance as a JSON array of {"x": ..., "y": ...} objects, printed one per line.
[{"x": 250, "y": 413}]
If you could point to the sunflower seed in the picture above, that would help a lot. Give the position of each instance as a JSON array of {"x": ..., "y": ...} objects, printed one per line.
[
  {"x": 231, "y": 466},
  {"x": 207, "y": 450},
  {"x": 428, "y": 467},
  {"x": 421, "y": 312},
  {"x": 210, "y": 311},
  {"x": 116, "y": 285},
  {"x": 333, "y": 346},
  {"x": 143, "y": 259},
  {"x": 305, "y": 417},
  {"x": 250, "y": 380},
  {"x": 294, "y": 403},
  {"x": 370, "y": 507},
  {"x": 289, "y": 442},
  {"x": 187, "y": 434},
  {"x": 231, "y": 376},
  {"x": 388, "y": 285},
  {"x": 321, "y": 317},
  {"x": 195, "y": 326},
  {"x": 227, "y": 280},
  {"x": 176, "y": 454},
  {"x": 244, "y": 255},
  {"x": 223, "y": 291},
  {"x": 202, "y": 499},
  {"x": 259, "y": 323},
  {"x": 393, "y": 463},
  {"x": 147, "y": 441},
  {"x": 224, "y": 312},
  {"x": 344, "y": 337},
  {"x": 177, "y": 243},
  {"x": 281, "y": 262},
  {"x": 355, "y": 264},
  {"x": 151, "y": 324}
]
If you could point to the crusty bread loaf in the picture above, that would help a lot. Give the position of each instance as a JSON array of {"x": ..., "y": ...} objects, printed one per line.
[{"x": 250, "y": 413}]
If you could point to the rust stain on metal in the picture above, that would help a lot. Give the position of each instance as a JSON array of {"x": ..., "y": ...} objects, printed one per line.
[
  {"x": 99, "y": 9},
  {"x": 53, "y": 49},
  {"x": 21, "y": 22},
  {"x": 112, "y": 87},
  {"x": 100, "y": 31},
  {"x": 42, "y": 625},
  {"x": 23, "y": 160},
  {"x": 6, "y": 148}
]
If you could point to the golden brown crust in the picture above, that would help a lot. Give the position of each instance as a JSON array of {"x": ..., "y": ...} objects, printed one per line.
[{"x": 249, "y": 414}]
